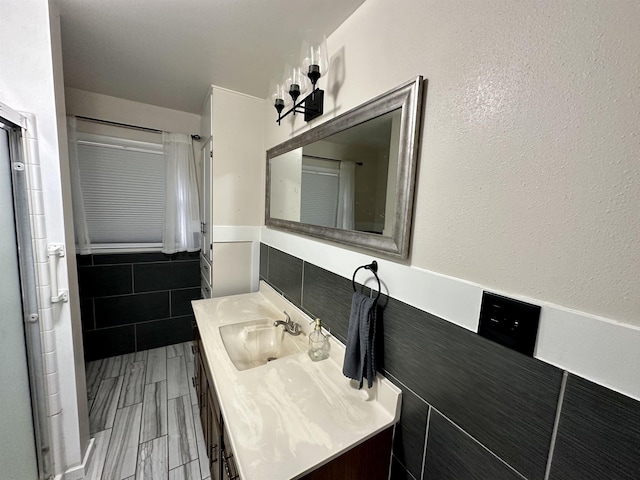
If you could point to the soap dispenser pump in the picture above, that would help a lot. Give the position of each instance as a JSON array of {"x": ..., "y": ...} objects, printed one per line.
[{"x": 318, "y": 343}]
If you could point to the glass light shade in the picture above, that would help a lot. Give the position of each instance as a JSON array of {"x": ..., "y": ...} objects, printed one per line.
[
  {"x": 278, "y": 95},
  {"x": 315, "y": 58},
  {"x": 296, "y": 83}
]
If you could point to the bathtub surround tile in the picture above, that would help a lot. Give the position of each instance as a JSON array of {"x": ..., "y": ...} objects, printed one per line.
[
  {"x": 157, "y": 365},
  {"x": 154, "y": 411},
  {"x": 151, "y": 277},
  {"x": 105, "y": 404},
  {"x": 108, "y": 342},
  {"x": 598, "y": 434},
  {"x": 285, "y": 274},
  {"x": 182, "y": 438},
  {"x": 507, "y": 401},
  {"x": 126, "y": 309},
  {"x": 169, "y": 331},
  {"x": 123, "y": 447},
  {"x": 453, "y": 455},
  {"x": 181, "y": 301},
  {"x": 189, "y": 471},
  {"x": 132, "y": 384},
  {"x": 177, "y": 384},
  {"x": 96, "y": 464},
  {"x": 152, "y": 460},
  {"x": 105, "y": 280},
  {"x": 105, "y": 311}
]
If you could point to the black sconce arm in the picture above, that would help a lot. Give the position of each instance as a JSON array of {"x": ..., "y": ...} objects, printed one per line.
[{"x": 311, "y": 106}]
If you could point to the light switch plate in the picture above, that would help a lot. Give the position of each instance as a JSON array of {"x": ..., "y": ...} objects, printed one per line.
[{"x": 509, "y": 322}]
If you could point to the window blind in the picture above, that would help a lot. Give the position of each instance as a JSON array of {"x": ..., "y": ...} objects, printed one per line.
[
  {"x": 123, "y": 184},
  {"x": 319, "y": 202}
]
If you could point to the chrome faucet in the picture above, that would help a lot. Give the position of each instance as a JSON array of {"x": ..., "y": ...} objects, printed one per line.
[{"x": 289, "y": 325}]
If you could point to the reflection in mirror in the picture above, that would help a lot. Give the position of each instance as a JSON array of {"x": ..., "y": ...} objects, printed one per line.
[
  {"x": 351, "y": 179},
  {"x": 346, "y": 180}
]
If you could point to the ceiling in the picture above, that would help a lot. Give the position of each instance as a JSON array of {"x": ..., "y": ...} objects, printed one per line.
[{"x": 168, "y": 52}]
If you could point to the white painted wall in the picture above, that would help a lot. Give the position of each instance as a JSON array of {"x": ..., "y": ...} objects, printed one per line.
[
  {"x": 528, "y": 179},
  {"x": 104, "y": 107},
  {"x": 30, "y": 82},
  {"x": 529, "y": 176}
]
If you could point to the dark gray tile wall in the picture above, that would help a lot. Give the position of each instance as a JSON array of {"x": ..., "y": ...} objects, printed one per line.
[
  {"x": 328, "y": 296},
  {"x": 264, "y": 261},
  {"x": 504, "y": 399},
  {"x": 598, "y": 435},
  {"x": 125, "y": 309},
  {"x": 409, "y": 436},
  {"x": 164, "y": 332},
  {"x": 492, "y": 409},
  {"x": 285, "y": 274},
  {"x": 454, "y": 455},
  {"x": 131, "y": 302}
]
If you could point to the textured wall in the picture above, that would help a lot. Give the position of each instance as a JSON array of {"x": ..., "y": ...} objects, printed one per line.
[{"x": 529, "y": 176}]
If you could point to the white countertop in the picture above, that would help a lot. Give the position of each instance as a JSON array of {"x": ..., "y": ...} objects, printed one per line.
[{"x": 291, "y": 415}]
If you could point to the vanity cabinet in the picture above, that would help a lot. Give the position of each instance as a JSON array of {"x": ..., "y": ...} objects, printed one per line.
[
  {"x": 221, "y": 462},
  {"x": 370, "y": 459}
]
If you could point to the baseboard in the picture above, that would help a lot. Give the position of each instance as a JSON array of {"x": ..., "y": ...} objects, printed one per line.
[{"x": 79, "y": 471}]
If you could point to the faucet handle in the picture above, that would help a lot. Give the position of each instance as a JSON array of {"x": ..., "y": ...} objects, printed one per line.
[{"x": 287, "y": 317}]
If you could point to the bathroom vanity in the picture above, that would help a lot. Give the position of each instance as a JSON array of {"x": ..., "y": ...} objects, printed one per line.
[{"x": 269, "y": 412}]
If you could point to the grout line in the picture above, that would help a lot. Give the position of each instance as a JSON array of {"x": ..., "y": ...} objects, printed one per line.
[
  {"x": 478, "y": 442},
  {"x": 401, "y": 464},
  {"x": 133, "y": 280},
  {"x": 556, "y": 424},
  {"x": 387, "y": 374},
  {"x": 426, "y": 439}
]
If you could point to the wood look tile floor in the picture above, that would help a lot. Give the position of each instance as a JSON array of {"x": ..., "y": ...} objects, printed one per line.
[{"x": 143, "y": 415}]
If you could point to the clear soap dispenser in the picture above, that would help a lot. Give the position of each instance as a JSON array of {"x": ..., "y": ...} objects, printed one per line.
[{"x": 318, "y": 343}]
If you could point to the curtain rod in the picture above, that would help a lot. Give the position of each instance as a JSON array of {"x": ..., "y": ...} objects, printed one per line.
[
  {"x": 330, "y": 159},
  {"x": 125, "y": 125}
]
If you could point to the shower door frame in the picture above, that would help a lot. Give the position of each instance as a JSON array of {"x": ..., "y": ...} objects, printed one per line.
[{"x": 15, "y": 125}]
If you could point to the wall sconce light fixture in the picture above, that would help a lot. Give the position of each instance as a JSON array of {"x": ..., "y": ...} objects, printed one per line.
[{"x": 315, "y": 63}]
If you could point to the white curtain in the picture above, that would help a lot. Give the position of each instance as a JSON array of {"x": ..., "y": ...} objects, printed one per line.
[
  {"x": 182, "y": 211},
  {"x": 346, "y": 195},
  {"x": 83, "y": 243}
]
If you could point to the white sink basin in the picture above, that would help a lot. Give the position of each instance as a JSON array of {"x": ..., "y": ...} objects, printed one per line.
[{"x": 254, "y": 343}]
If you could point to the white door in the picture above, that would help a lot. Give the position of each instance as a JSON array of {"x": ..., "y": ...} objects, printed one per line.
[{"x": 17, "y": 437}]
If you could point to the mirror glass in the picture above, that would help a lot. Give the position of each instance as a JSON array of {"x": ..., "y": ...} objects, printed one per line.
[
  {"x": 342, "y": 181},
  {"x": 351, "y": 179}
]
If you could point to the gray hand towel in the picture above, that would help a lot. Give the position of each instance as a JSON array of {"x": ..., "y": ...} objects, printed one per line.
[{"x": 359, "y": 357}]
